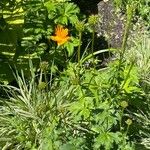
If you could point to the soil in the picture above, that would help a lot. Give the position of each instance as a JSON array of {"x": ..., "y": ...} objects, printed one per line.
[{"x": 87, "y": 7}]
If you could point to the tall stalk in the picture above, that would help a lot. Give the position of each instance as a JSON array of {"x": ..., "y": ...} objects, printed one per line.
[
  {"x": 129, "y": 13},
  {"x": 80, "y": 28},
  {"x": 92, "y": 21},
  {"x": 92, "y": 47},
  {"x": 79, "y": 46}
]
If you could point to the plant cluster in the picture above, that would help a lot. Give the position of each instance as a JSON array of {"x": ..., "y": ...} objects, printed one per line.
[{"x": 68, "y": 102}]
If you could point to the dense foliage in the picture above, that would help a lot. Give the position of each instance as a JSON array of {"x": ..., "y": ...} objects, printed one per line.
[{"x": 68, "y": 93}]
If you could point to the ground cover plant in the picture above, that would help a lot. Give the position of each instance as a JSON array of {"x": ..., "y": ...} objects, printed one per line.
[{"x": 60, "y": 91}]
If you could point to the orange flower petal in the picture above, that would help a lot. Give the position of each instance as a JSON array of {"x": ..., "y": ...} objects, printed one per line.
[
  {"x": 55, "y": 38},
  {"x": 58, "y": 30},
  {"x": 64, "y": 33},
  {"x": 63, "y": 41},
  {"x": 61, "y": 35}
]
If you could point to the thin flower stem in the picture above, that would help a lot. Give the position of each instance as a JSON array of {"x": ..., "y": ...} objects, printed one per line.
[
  {"x": 126, "y": 33},
  {"x": 46, "y": 87},
  {"x": 121, "y": 119},
  {"x": 92, "y": 48},
  {"x": 127, "y": 130},
  {"x": 79, "y": 47},
  {"x": 40, "y": 79}
]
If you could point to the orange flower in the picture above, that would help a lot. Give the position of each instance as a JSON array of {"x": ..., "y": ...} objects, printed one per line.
[{"x": 61, "y": 35}]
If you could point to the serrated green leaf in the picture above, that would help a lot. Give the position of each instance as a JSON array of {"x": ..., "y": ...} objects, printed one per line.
[
  {"x": 70, "y": 48},
  {"x": 68, "y": 147}
]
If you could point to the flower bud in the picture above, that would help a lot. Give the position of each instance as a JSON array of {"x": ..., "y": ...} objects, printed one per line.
[
  {"x": 129, "y": 122},
  {"x": 93, "y": 19},
  {"x": 124, "y": 104},
  {"x": 80, "y": 26},
  {"x": 44, "y": 66},
  {"x": 42, "y": 85}
]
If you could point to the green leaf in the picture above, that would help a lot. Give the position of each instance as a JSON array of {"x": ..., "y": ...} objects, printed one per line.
[
  {"x": 105, "y": 139},
  {"x": 70, "y": 48},
  {"x": 62, "y": 20},
  {"x": 68, "y": 147},
  {"x": 46, "y": 144}
]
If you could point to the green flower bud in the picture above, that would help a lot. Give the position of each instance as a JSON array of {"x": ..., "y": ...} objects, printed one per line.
[
  {"x": 80, "y": 26},
  {"x": 42, "y": 85},
  {"x": 129, "y": 122},
  {"x": 44, "y": 65},
  {"x": 124, "y": 104},
  {"x": 93, "y": 19}
]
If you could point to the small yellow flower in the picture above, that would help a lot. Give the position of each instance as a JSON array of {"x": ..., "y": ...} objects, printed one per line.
[{"x": 61, "y": 35}]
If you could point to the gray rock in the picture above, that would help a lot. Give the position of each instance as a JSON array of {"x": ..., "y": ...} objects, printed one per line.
[{"x": 111, "y": 23}]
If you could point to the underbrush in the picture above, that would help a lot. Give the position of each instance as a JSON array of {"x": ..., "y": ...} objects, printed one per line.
[
  {"x": 82, "y": 109},
  {"x": 70, "y": 101}
]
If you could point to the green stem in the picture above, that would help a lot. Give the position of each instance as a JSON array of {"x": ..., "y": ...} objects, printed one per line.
[
  {"x": 127, "y": 130},
  {"x": 46, "y": 86},
  {"x": 40, "y": 79},
  {"x": 92, "y": 48},
  {"x": 126, "y": 33},
  {"x": 121, "y": 118},
  {"x": 79, "y": 47}
]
